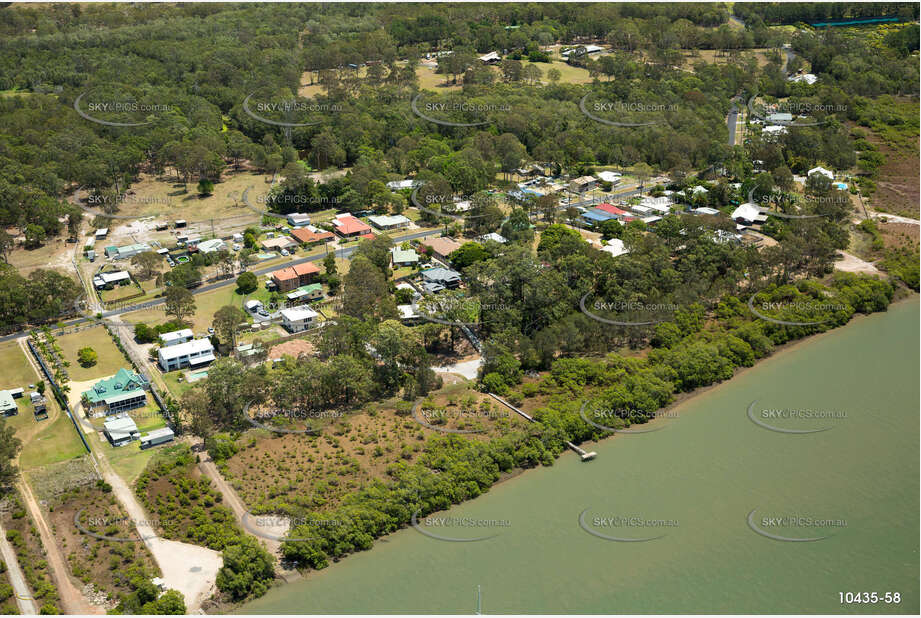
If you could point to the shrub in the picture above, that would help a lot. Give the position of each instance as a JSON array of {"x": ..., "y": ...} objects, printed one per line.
[{"x": 87, "y": 357}]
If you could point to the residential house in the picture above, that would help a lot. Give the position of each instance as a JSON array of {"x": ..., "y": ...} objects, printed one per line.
[
  {"x": 499, "y": 238},
  {"x": 748, "y": 214},
  {"x": 8, "y": 407},
  {"x": 298, "y": 219},
  {"x": 615, "y": 247},
  {"x": 779, "y": 117},
  {"x": 126, "y": 390},
  {"x": 589, "y": 49},
  {"x": 277, "y": 244},
  {"x": 611, "y": 209},
  {"x": 660, "y": 204},
  {"x": 773, "y": 131},
  {"x": 396, "y": 185},
  {"x": 194, "y": 353},
  {"x": 594, "y": 216},
  {"x": 176, "y": 337},
  {"x": 404, "y": 257},
  {"x": 347, "y": 225},
  {"x": 442, "y": 246},
  {"x": 490, "y": 58},
  {"x": 293, "y": 277},
  {"x": 127, "y": 251},
  {"x": 821, "y": 170},
  {"x": 102, "y": 233},
  {"x": 389, "y": 222},
  {"x": 582, "y": 184},
  {"x": 437, "y": 279},
  {"x": 211, "y": 246},
  {"x": 107, "y": 281},
  {"x": 704, "y": 210},
  {"x": 408, "y": 314},
  {"x": 297, "y": 319},
  {"x": 314, "y": 291},
  {"x": 310, "y": 235},
  {"x": 611, "y": 177},
  {"x": 121, "y": 430},
  {"x": 807, "y": 78}
]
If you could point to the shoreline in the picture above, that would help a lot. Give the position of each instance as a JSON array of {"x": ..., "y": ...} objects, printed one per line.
[{"x": 680, "y": 400}]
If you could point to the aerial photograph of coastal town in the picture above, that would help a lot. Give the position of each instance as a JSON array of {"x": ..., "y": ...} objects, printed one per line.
[{"x": 457, "y": 308}]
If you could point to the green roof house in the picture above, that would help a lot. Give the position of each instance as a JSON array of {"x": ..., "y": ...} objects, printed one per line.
[{"x": 123, "y": 391}]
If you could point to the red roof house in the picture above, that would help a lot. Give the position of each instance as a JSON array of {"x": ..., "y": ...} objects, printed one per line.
[{"x": 348, "y": 225}]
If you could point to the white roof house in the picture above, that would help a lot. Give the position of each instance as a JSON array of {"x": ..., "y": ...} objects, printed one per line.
[
  {"x": 808, "y": 78},
  {"x": 298, "y": 218},
  {"x": 499, "y": 238},
  {"x": 697, "y": 190},
  {"x": 408, "y": 312},
  {"x": 192, "y": 353},
  {"x": 660, "y": 204},
  {"x": 610, "y": 176},
  {"x": 404, "y": 256},
  {"x": 7, "y": 405},
  {"x": 102, "y": 232},
  {"x": 821, "y": 170},
  {"x": 103, "y": 279},
  {"x": 704, "y": 210},
  {"x": 615, "y": 247},
  {"x": 589, "y": 49},
  {"x": 297, "y": 319},
  {"x": 490, "y": 57},
  {"x": 749, "y": 213},
  {"x": 388, "y": 222},
  {"x": 176, "y": 337},
  {"x": 396, "y": 185},
  {"x": 210, "y": 246},
  {"x": 774, "y": 130}
]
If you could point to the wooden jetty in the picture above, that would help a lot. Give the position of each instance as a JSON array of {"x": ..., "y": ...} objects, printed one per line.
[{"x": 585, "y": 455}]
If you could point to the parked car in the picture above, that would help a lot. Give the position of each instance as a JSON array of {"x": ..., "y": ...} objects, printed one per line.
[
  {"x": 285, "y": 253},
  {"x": 236, "y": 246},
  {"x": 210, "y": 330}
]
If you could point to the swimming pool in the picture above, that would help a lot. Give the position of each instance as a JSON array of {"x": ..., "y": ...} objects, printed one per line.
[
  {"x": 265, "y": 256},
  {"x": 182, "y": 259},
  {"x": 197, "y": 375}
]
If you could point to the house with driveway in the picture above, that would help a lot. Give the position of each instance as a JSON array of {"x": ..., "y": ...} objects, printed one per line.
[
  {"x": 194, "y": 353},
  {"x": 121, "y": 430},
  {"x": 124, "y": 391},
  {"x": 293, "y": 277}
]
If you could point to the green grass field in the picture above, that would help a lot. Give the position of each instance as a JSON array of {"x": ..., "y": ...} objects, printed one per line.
[
  {"x": 110, "y": 359},
  {"x": 56, "y": 440},
  {"x": 15, "y": 370}
]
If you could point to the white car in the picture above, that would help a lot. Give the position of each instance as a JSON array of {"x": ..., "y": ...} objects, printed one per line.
[
  {"x": 285, "y": 253},
  {"x": 236, "y": 246}
]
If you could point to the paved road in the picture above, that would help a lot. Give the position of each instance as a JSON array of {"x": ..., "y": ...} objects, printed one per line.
[
  {"x": 344, "y": 253},
  {"x": 23, "y": 596},
  {"x": 731, "y": 121}
]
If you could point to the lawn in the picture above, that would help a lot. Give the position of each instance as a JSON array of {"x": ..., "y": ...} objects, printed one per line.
[
  {"x": 56, "y": 440},
  {"x": 15, "y": 368},
  {"x": 110, "y": 359},
  {"x": 206, "y": 305},
  {"x": 176, "y": 387},
  {"x": 119, "y": 292}
]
